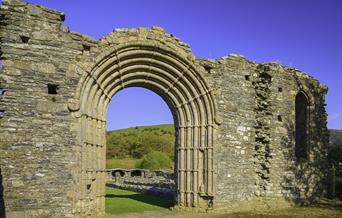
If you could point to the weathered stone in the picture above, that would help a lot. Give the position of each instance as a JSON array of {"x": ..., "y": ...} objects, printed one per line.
[{"x": 235, "y": 119}]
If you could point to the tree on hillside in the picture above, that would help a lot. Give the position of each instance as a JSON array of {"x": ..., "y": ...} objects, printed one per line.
[
  {"x": 155, "y": 160},
  {"x": 139, "y": 141}
]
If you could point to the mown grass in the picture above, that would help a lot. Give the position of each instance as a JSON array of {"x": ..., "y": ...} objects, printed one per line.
[
  {"x": 122, "y": 201},
  {"x": 126, "y": 163}
]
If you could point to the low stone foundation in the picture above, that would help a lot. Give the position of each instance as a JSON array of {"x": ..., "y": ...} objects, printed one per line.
[{"x": 158, "y": 183}]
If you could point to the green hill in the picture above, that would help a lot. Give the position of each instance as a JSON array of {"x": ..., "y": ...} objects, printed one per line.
[
  {"x": 135, "y": 142},
  {"x": 335, "y": 139}
]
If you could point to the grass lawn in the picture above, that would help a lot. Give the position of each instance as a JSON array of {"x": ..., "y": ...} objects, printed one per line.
[
  {"x": 122, "y": 201},
  {"x": 128, "y": 163}
]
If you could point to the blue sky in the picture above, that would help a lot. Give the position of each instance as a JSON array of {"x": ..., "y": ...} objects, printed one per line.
[{"x": 305, "y": 34}]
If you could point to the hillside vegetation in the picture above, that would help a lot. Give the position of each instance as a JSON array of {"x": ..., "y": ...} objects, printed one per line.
[
  {"x": 335, "y": 139},
  {"x": 125, "y": 163},
  {"x": 335, "y": 157},
  {"x": 138, "y": 142}
]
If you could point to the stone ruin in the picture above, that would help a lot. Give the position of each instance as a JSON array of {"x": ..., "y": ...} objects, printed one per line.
[
  {"x": 158, "y": 183},
  {"x": 245, "y": 131},
  {"x": 119, "y": 173}
]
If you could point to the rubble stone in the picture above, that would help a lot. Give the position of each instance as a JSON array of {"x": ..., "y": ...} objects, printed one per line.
[{"x": 234, "y": 119}]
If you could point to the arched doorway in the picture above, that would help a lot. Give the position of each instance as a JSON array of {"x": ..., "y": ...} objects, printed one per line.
[
  {"x": 302, "y": 117},
  {"x": 173, "y": 77},
  {"x": 140, "y": 139}
]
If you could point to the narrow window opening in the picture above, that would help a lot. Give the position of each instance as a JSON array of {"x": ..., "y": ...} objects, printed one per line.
[
  {"x": 301, "y": 125},
  {"x": 247, "y": 77},
  {"x": 207, "y": 68},
  {"x": 52, "y": 89},
  {"x": 86, "y": 49},
  {"x": 267, "y": 68},
  {"x": 24, "y": 39},
  {"x": 2, "y": 202},
  {"x": 88, "y": 186},
  {"x": 2, "y": 92},
  {"x": 2, "y": 112},
  {"x": 62, "y": 17},
  {"x": 280, "y": 89},
  {"x": 280, "y": 119}
]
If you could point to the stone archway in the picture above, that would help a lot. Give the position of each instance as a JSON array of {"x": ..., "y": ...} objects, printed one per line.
[
  {"x": 56, "y": 87},
  {"x": 156, "y": 67}
]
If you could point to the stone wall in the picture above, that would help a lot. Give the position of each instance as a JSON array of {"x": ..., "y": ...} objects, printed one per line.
[
  {"x": 255, "y": 154},
  {"x": 37, "y": 156},
  {"x": 235, "y": 140},
  {"x": 157, "y": 183}
]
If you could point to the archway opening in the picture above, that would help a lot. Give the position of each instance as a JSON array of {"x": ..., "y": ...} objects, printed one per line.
[
  {"x": 140, "y": 152},
  {"x": 179, "y": 82},
  {"x": 301, "y": 147}
]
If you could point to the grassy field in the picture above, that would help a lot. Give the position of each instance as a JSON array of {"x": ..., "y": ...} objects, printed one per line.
[
  {"x": 122, "y": 201},
  {"x": 126, "y": 204},
  {"x": 126, "y": 163}
]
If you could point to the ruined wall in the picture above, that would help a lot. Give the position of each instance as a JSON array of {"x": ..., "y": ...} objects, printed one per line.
[
  {"x": 45, "y": 170},
  {"x": 256, "y": 150},
  {"x": 235, "y": 136},
  {"x": 37, "y": 155}
]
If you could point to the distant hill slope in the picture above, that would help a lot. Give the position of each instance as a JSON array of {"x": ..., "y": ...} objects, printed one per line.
[
  {"x": 135, "y": 142},
  {"x": 335, "y": 139}
]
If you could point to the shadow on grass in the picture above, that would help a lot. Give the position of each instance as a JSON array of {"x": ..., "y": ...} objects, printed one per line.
[
  {"x": 328, "y": 204},
  {"x": 147, "y": 199}
]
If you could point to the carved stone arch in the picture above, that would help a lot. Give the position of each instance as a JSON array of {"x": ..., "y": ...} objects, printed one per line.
[
  {"x": 162, "y": 69},
  {"x": 66, "y": 176},
  {"x": 302, "y": 88}
]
